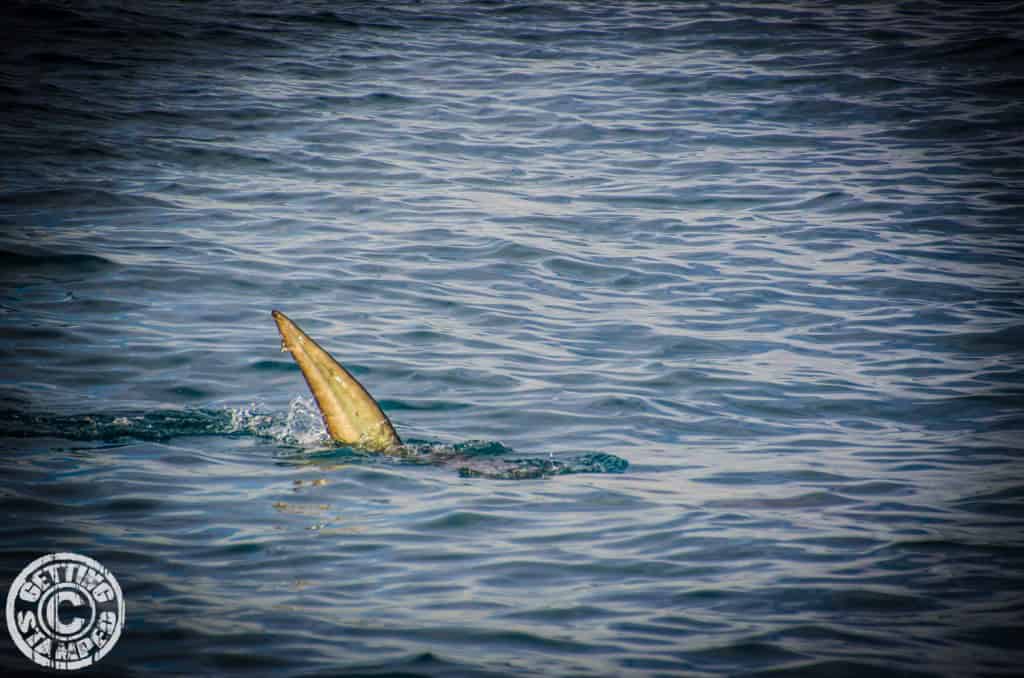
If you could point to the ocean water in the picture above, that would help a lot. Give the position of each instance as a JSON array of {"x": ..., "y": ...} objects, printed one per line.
[{"x": 740, "y": 283}]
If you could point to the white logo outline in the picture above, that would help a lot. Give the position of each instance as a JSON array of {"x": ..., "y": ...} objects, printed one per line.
[{"x": 74, "y": 582}]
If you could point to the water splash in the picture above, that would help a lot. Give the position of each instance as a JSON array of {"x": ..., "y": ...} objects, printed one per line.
[{"x": 300, "y": 426}]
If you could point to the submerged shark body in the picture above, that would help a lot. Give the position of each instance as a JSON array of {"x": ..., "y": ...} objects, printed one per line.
[{"x": 350, "y": 413}]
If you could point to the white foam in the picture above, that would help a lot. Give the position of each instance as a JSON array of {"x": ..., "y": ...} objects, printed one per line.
[{"x": 301, "y": 425}]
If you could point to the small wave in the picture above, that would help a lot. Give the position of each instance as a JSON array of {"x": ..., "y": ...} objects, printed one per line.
[
  {"x": 51, "y": 198},
  {"x": 39, "y": 260},
  {"x": 151, "y": 426}
]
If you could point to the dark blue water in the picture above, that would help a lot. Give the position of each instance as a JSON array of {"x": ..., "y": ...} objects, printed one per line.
[{"x": 769, "y": 255}]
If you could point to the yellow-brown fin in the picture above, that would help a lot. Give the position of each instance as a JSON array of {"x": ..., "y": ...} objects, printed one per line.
[{"x": 350, "y": 413}]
